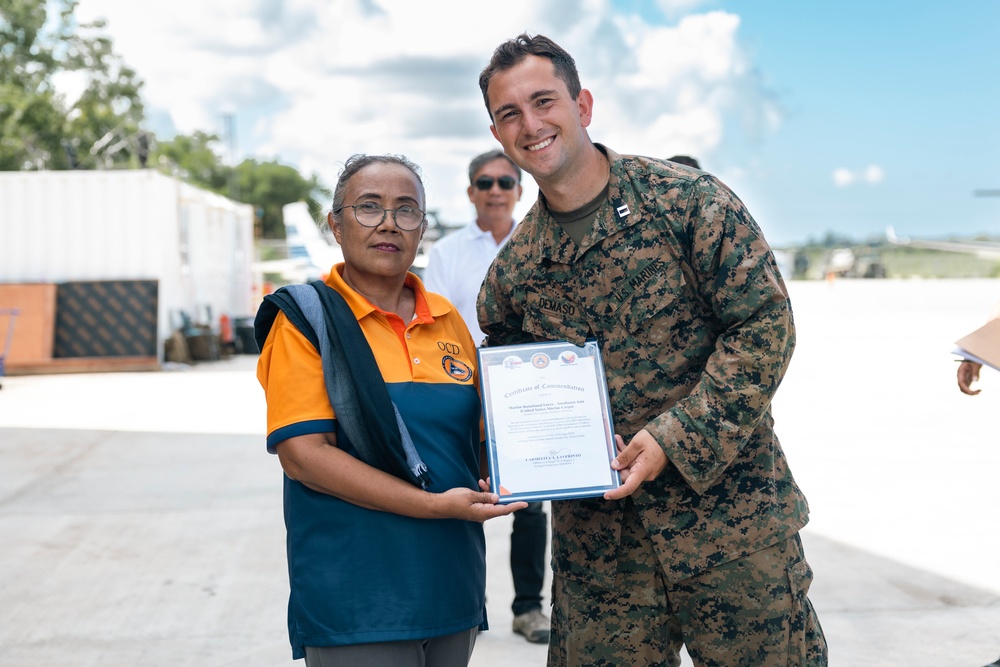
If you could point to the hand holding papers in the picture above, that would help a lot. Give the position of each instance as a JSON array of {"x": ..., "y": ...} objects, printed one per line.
[
  {"x": 982, "y": 345},
  {"x": 548, "y": 421}
]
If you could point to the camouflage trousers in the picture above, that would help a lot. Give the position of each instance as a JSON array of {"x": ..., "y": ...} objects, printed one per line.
[{"x": 750, "y": 612}]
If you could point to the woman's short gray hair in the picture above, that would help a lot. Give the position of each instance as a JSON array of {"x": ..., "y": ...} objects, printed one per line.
[{"x": 359, "y": 161}]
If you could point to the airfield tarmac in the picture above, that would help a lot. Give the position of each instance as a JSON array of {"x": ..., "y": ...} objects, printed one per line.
[{"x": 141, "y": 516}]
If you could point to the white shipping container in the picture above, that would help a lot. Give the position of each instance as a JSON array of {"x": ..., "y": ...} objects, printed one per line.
[{"x": 65, "y": 226}]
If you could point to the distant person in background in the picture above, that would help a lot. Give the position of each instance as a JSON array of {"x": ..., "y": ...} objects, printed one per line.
[
  {"x": 458, "y": 262},
  {"x": 456, "y": 268},
  {"x": 686, "y": 160}
]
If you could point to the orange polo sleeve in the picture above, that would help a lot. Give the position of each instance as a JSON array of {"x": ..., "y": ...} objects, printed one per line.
[{"x": 291, "y": 373}]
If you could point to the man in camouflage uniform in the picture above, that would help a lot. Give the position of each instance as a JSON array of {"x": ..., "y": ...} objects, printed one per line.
[{"x": 665, "y": 267}]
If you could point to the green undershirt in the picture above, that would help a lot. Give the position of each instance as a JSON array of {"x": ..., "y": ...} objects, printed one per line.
[{"x": 578, "y": 222}]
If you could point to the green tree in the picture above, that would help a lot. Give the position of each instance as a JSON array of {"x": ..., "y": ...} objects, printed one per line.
[
  {"x": 31, "y": 114},
  {"x": 267, "y": 185},
  {"x": 193, "y": 158},
  {"x": 39, "y": 129},
  {"x": 270, "y": 185},
  {"x": 104, "y": 126}
]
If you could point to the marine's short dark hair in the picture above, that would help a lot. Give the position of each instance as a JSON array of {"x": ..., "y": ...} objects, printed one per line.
[
  {"x": 686, "y": 160},
  {"x": 513, "y": 51},
  {"x": 487, "y": 157}
]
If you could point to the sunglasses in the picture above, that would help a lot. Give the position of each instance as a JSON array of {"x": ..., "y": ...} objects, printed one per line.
[{"x": 486, "y": 182}]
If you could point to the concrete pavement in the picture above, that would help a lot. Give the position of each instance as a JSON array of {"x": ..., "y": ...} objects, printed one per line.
[{"x": 141, "y": 517}]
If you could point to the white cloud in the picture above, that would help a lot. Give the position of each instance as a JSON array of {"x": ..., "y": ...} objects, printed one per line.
[
  {"x": 313, "y": 81},
  {"x": 873, "y": 175},
  {"x": 843, "y": 177},
  {"x": 685, "y": 82},
  {"x": 678, "y": 7}
]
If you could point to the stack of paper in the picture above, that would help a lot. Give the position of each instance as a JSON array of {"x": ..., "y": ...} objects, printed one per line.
[{"x": 982, "y": 345}]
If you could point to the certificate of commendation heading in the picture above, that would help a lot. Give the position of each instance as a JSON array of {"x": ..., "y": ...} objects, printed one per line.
[{"x": 546, "y": 411}]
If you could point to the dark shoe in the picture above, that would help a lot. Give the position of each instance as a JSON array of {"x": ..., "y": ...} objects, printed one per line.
[
  {"x": 994, "y": 664},
  {"x": 533, "y": 626}
]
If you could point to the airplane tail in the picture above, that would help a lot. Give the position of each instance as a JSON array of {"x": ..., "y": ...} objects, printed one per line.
[{"x": 890, "y": 236}]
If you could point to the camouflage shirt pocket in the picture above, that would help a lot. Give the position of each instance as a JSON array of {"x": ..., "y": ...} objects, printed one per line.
[{"x": 800, "y": 577}]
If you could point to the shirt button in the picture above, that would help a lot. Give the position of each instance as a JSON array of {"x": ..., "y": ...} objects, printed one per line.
[
  {"x": 415, "y": 360},
  {"x": 407, "y": 335}
]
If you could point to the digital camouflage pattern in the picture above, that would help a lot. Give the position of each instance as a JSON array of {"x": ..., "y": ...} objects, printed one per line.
[
  {"x": 751, "y": 612},
  {"x": 679, "y": 286}
]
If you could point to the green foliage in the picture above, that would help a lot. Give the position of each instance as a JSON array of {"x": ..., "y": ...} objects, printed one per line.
[
  {"x": 30, "y": 111},
  {"x": 38, "y": 128},
  {"x": 268, "y": 185},
  {"x": 193, "y": 158},
  {"x": 918, "y": 262},
  {"x": 104, "y": 125},
  {"x": 897, "y": 261},
  {"x": 271, "y": 185}
]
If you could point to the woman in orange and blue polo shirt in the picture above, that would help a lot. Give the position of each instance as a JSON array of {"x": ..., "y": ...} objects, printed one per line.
[{"x": 382, "y": 571}]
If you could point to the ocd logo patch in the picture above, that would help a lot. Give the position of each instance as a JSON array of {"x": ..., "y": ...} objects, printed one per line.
[
  {"x": 456, "y": 369},
  {"x": 540, "y": 360},
  {"x": 450, "y": 348}
]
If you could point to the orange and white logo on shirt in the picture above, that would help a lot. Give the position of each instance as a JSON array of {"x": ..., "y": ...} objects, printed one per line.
[{"x": 456, "y": 369}]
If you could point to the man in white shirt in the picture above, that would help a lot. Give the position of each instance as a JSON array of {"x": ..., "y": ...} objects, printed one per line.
[
  {"x": 457, "y": 265},
  {"x": 458, "y": 262}
]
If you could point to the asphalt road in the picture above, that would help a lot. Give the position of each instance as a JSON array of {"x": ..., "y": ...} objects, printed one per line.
[{"x": 141, "y": 516}]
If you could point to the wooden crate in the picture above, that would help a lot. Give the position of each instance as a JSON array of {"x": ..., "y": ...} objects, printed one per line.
[{"x": 34, "y": 326}]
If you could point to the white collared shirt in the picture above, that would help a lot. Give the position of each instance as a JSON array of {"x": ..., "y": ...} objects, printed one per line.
[{"x": 457, "y": 266}]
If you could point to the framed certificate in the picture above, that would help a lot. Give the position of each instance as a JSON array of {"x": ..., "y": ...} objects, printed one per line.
[{"x": 548, "y": 422}]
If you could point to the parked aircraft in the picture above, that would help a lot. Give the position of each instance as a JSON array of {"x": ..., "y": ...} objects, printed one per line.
[
  {"x": 981, "y": 249},
  {"x": 310, "y": 254}
]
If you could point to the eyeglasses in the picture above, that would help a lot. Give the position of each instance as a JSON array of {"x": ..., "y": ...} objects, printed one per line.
[
  {"x": 370, "y": 214},
  {"x": 486, "y": 182}
]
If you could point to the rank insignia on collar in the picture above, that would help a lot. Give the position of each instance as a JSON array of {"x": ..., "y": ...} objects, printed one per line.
[{"x": 623, "y": 210}]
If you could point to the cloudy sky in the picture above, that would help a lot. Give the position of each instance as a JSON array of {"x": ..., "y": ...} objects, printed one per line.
[{"x": 844, "y": 117}]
